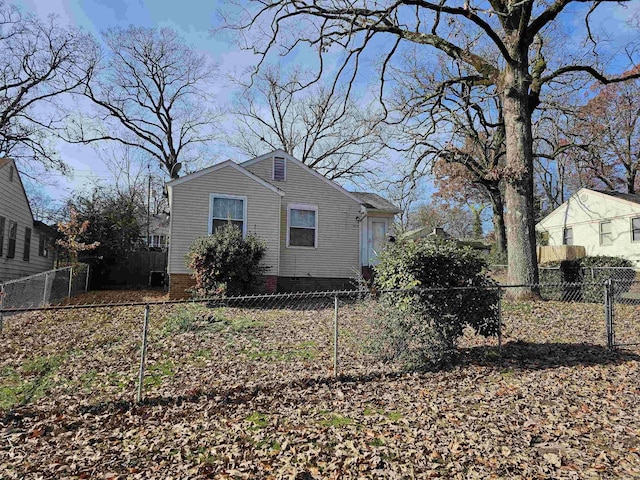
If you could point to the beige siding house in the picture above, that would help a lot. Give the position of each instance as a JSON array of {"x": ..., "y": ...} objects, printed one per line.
[
  {"x": 26, "y": 247},
  {"x": 603, "y": 222},
  {"x": 318, "y": 234}
]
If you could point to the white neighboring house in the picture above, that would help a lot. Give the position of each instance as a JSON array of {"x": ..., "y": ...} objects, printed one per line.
[{"x": 604, "y": 222}]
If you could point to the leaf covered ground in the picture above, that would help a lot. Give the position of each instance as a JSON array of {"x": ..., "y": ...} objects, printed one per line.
[{"x": 250, "y": 393}]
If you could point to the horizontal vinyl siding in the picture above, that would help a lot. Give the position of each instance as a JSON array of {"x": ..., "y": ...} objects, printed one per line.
[
  {"x": 190, "y": 214},
  {"x": 14, "y": 206},
  {"x": 583, "y": 214},
  {"x": 337, "y": 255}
]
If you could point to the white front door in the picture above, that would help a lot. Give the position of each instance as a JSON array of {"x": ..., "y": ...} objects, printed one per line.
[{"x": 376, "y": 238}]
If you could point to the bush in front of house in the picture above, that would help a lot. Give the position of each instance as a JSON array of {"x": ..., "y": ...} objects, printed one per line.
[
  {"x": 589, "y": 273},
  {"x": 226, "y": 263},
  {"x": 420, "y": 324}
]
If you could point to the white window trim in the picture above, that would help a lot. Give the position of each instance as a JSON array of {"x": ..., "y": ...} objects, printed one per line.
[
  {"x": 301, "y": 206},
  {"x": 602, "y": 244},
  {"x": 631, "y": 229},
  {"x": 233, "y": 197},
  {"x": 273, "y": 169}
]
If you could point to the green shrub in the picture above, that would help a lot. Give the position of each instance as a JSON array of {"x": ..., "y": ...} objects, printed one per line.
[
  {"x": 420, "y": 325},
  {"x": 226, "y": 263},
  {"x": 590, "y": 273},
  {"x": 596, "y": 270}
]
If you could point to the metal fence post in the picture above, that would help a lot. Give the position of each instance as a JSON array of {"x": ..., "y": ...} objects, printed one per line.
[
  {"x": 500, "y": 320},
  {"x": 1, "y": 307},
  {"x": 143, "y": 353},
  {"x": 44, "y": 293},
  {"x": 70, "y": 281},
  {"x": 86, "y": 282},
  {"x": 608, "y": 313},
  {"x": 335, "y": 336}
]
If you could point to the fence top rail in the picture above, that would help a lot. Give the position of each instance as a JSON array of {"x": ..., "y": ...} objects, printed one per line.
[
  {"x": 239, "y": 300},
  {"x": 31, "y": 277}
]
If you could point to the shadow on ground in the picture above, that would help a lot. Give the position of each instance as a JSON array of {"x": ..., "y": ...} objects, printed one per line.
[{"x": 516, "y": 355}]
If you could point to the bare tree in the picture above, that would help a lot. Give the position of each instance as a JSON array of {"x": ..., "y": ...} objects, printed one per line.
[
  {"x": 319, "y": 126},
  {"x": 152, "y": 90},
  {"x": 40, "y": 61},
  {"x": 609, "y": 128},
  {"x": 506, "y": 51},
  {"x": 134, "y": 175}
]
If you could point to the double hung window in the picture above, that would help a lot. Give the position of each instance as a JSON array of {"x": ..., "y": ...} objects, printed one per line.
[
  {"x": 228, "y": 209},
  {"x": 302, "y": 226}
]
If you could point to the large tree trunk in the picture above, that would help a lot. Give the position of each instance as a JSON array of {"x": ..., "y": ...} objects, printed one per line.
[
  {"x": 520, "y": 222},
  {"x": 499, "y": 229}
]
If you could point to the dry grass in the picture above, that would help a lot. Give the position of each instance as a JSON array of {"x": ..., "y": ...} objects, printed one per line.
[{"x": 234, "y": 393}]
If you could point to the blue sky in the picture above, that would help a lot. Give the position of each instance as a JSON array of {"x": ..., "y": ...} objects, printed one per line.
[{"x": 194, "y": 19}]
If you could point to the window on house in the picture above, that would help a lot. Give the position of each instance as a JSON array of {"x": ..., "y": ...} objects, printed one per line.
[
  {"x": 2, "y": 222},
  {"x": 157, "y": 241},
  {"x": 606, "y": 237},
  {"x": 302, "y": 231},
  {"x": 26, "y": 254},
  {"x": 43, "y": 244},
  {"x": 13, "y": 233},
  {"x": 225, "y": 209},
  {"x": 567, "y": 236},
  {"x": 635, "y": 229},
  {"x": 279, "y": 168}
]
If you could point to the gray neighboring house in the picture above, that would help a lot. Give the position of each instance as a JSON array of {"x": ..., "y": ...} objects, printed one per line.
[
  {"x": 26, "y": 246},
  {"x": 318, "y": 234}
]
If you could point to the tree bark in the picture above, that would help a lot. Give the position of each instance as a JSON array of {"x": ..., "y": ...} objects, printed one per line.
[
  {"x": 519, "y": 217},
  {"x": 497, "y": 206}
]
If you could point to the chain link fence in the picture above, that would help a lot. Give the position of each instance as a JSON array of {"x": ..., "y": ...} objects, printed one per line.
[
  {"x": 155, "y": 347},
  {"x": 46, "y": 288}
]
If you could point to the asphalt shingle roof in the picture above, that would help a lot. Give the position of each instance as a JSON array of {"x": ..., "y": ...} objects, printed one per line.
[{"x": 373, "y": 200}]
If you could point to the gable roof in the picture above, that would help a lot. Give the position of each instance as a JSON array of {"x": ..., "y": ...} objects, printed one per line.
[
  {"x": 218, "y": 166},
  {"x": 374, "y": 201},
  {"x": 319, "y": 176},
  {"x": 6, "y": 161},
  {"x": 629, "y": 197},
  {"x": 621, "y": 197}
]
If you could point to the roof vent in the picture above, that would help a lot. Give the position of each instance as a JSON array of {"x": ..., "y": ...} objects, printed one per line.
[{"x": 278, "y": 168}]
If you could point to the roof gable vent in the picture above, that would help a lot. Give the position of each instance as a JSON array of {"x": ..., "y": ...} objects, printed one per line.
[{"x": 279, "y": 168}]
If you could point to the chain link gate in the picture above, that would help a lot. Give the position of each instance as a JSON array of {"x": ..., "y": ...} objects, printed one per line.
[{"x": 622, "y": 313}]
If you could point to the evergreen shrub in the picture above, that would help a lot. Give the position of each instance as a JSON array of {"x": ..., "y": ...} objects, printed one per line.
[
  {"x": 226, "y": 263},
  {"x": 422, "y": 319}
]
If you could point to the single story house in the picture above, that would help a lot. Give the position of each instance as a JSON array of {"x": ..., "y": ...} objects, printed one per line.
[
  {"x": 26, "y": 246},
  {"x": 318, "y": 234},
  {"x": 603, "y": 222}
]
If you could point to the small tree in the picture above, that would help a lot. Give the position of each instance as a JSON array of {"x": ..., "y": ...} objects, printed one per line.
[
  {"x": 226, "y": 263},
  {"x": 73, "y": 230},
  {"x": 421, "y": 323}
]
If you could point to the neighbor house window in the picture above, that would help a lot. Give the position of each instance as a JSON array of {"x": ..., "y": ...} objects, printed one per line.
[
  {"x": 279, "y": 168},
  {"x": 606, "y": 238},
  {"x": 2, "y": 222},
  {"x": 43, "y": 251},
  {"x": 26, "y": 254},
  {"x": 228, "y": 208},
  {"x": 567, "y": 236},
  {"x": 303, "y": 229},
  {"x": 157, "y": 241},
  {"x": 635, "y": 229},
  {"x": 13, "y": 233}
]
